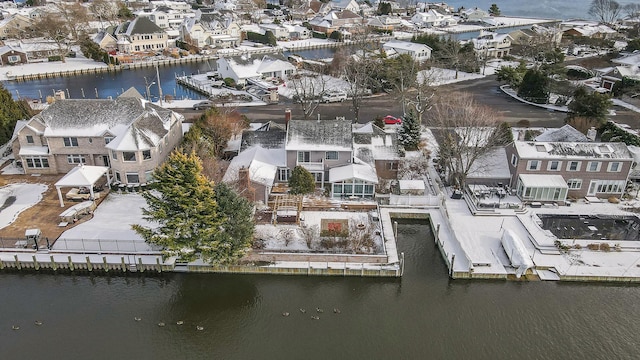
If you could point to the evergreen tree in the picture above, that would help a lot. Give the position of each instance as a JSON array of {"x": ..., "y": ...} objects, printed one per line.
[
  {"x": 534, "y": 87},
  {"x": 236, "y": 233},
  {"x": 589, "y": 104},
  {"x": 384, "y": 8},
  {"x": 185, "y": 208},
  {"x": 494, "y": 10},
  {"x": 409, "y": 132},
  {"x": 301, "y": 181},
  {"x": 10, "y": 112},
  {"x": 270, "y": 38},
  {"x": 503, "y": 134}
]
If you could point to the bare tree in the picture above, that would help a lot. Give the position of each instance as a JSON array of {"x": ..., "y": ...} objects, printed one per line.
[
  {"x": 52, "y": 27},
  {"x": 358, "y": 75},
  {"x": 75, "y": 17},
  {"x": 105, "y": 10},
  {"x": 467, "y": 133},
  {"x": 632, "y": 10},
  {"x": 308, "y": 88},
  {"x": 606, "y": 11},
  {"x": 422, "y": 96}
]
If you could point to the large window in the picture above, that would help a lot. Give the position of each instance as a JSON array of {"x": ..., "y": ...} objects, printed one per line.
[
  {"x": 593, "y": 166},
  {"x": 128, "y": 156},
  {"x": 76, "y": 159},
  {"x": 611, "y": 186},
  {"x": 533, "y": 165},
  {"x": 70, "y": 141},
  {"x": 114, "y": 155},
  {"x": 37, "y": 162},
  {"x": 573, "y": 166},
  {"x": 554, "y": 165},
  {"x": 614, "y": 166},
  {"x": 133, "y": 178},
  {"x": 304, "y": 156},
  {"x": 574, "y": 183},
  {"x": 146, "y": 154},
  {"x": 331, "y": 155}
]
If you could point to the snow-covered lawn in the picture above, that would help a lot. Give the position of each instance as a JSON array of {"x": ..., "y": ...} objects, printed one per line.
[
  {"x": 78, "y": 63},
  {"x": 110, "y": 227},
  {"x": 16, "y": 198},
  {"x": 314, "y": 81}
]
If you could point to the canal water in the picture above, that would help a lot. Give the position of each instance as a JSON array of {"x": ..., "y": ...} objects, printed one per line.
[{"x": 423, "y": 315}]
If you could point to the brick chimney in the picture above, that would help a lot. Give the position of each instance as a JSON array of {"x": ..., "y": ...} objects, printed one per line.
[
  {"x": 244, "y": 183},
  {"x": 287, "y": 116}
]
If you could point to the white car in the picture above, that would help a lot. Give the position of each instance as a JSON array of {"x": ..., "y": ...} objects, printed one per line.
[{"x": 334, "y": 96}]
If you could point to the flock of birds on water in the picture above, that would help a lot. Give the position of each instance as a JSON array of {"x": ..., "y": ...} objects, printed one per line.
[
  {"x": 200, "y": 328},
  {"x": 313, "y": 317},
  {"x": 160, "y": 324}
]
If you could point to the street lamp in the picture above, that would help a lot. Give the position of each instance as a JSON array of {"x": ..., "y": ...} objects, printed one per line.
[{"x": 149, "y": 86}]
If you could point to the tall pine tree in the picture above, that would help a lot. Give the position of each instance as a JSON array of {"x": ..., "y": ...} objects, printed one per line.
[
  {"x": 409, "y": 132},
  {"x": 236, "y": 232},
  {"x": 184, "y": 207},
  {"x": 10, "y": 112}
]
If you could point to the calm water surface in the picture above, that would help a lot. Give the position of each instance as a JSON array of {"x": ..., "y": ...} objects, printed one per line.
[{"x": 421, "y": 316}]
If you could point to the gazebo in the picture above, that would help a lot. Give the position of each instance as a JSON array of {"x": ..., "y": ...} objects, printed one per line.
[{"x": 82, "y": 175}]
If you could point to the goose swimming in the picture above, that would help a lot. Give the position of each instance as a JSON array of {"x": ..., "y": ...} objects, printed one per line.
[
  {"x": 161, "y": 324},
  {"x": 38, "y": 322},
  {"x": 199, "y": 328},
  {"x": 179, "y": 322}
]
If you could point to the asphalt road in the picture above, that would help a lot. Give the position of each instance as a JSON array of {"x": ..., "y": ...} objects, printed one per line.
[{"x": 486, "y": 91}]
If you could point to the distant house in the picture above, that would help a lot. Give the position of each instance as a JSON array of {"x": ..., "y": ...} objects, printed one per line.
[
  {"x": 140, "y": 35},
  {"x": 351, "y": 5},
  {"x": 418, "y": 52},
  {"x": 433, "y": 18},
  {"x": 11, "y": 26},
  {"x": 553, "y": 171},
  {"x": 335, "y": 20},
  {"x": 384, "y": 22},
  {"x": 473, "y": 15},
  {"x": 106, "y": 41},
  {"x": 210, "y": 30},
  {"x": 536, "y": 35},
  {"x": 36, "y": 50},
  {"x": 279, "y": 31},
  {"x": 566, "y": 133},
  {"x": 242, "y": 68},
  {"x": 10, "y": 55},
  {"x": 129, "y": 135},
  {"x": 590, "y": 29},
  {"x": 492, "y": 45}
]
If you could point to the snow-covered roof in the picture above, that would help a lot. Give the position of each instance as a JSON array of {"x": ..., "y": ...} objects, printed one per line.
[
  {"x": 371, "y": 143},
  {"x": 411, "y": 184},
  {"x": 540, "y": 181},
  {"x": 322, "y": 135},
  {"x": 565, "y": 133},
  {"x": 492, "y": 165},
  {"x": 34, "y": 150},
  {"x": 571, "y": 150},
  {"x": 262, "y": 164},
  {"x": 405, "y": 45},
  {"x": 353, "y": 171},
  {"x": 82, "y": 175}
]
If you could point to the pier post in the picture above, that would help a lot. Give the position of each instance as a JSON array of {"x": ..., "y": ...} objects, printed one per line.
[
  {"x": 124, "y": 267},
  {"x": 17, "y": 262},
  {"x": 140, "y": 264},
  {"x": 89, "y": 267},
  {"x": 70, "y": 263},
  {"x": 106, "y": 266},
  {"x": 159, "y": 266},
  {"x": 53, "y": 263},
  {"x": 35, "y": 263},
  {"x": 453, "y": 260},
  {"x": 395, "y": 231}
]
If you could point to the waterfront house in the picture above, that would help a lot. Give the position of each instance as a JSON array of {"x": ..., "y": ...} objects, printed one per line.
[
  {"x": 473, "y": 14},
  {"x": 592, "y": 29},
  {"x": 492, "y": 45},
  {"x": 433, "y": 18},
  {"x": 106, "y": 41},
  {"x": 244, "y": 67},
  {"x": 12, "y": 26},
  {"x": 128, "y": 134},
  {"x": 10, "y": 55},
  {"x": 418, "y": 52},
  {"x": 260, "y": 163},
  {"x": 536, "y": 34},
  {"x": 553, "y": 171},
  {"x": 335, "y": 20},
  {"x": 378, "y": 148},
  {"x": 140, "y": 35},
  {"x": 351, "y": 5},
  {"x": 36, "y": 50},
  {"x": 210, "y": 30}
]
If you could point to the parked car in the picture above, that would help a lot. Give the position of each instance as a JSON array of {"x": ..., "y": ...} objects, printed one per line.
[
  {"x": 217, "y": 83},
  {"x": 203, "y": 105},
  {"x": 392, "y": 120},
  {"x": 334, "y": 96}
]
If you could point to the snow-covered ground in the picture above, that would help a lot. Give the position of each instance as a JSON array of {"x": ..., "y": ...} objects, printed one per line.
[
  {"x": 110, "y": 227},
  {"x": 20, "y": 197},
  {"x": 79, "y": 63}
]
